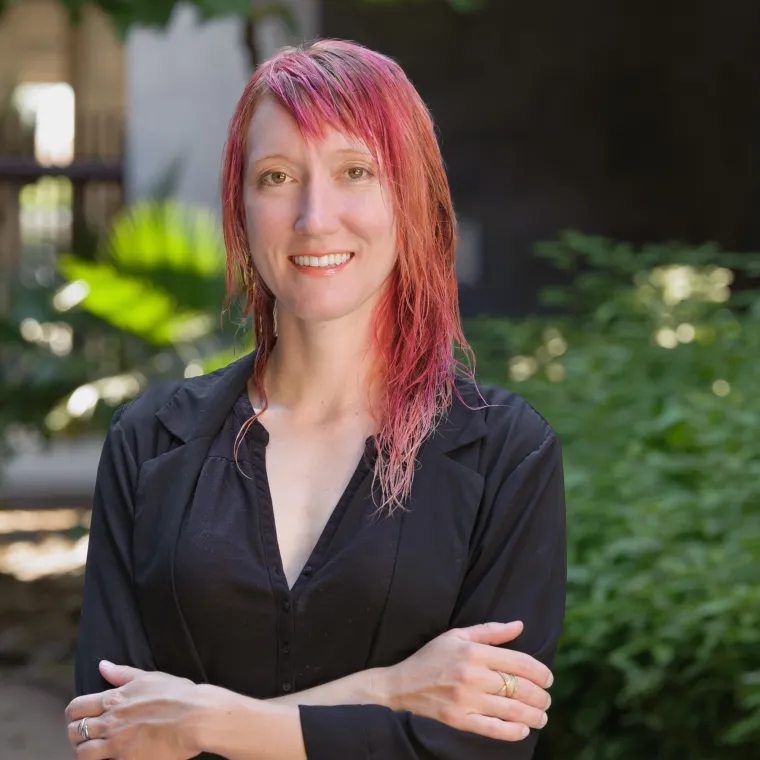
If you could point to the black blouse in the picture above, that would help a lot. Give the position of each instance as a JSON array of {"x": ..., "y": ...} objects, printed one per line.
[
  {"x": 191, "y": 583},
  {"x": 228, "y": 568}
]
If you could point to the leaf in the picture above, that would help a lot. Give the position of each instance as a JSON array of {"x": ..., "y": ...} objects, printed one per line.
[{"x": 136, "y": 305}]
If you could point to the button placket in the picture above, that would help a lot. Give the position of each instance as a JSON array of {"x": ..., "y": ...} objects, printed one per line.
[
  {"x": 285, "y": 622},
  {"x": 286, "y": 664}
]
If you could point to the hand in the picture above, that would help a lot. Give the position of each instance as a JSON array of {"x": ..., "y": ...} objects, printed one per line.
[
  {"x": 454, "y": 679},
  {"x": 147, "y": 715}
]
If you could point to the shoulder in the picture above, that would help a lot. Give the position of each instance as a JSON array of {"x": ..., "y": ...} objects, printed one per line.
[
  {"x": 140, "y": 413},
  {"x": 515, "y": 431}
]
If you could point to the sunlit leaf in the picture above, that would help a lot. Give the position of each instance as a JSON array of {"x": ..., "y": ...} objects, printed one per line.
[{"x": 136, "y": 305}]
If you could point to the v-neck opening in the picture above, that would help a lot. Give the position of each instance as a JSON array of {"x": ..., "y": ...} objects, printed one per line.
[
  {"x": 259, "y": 438},
  {"x": 319, "y": 551}
]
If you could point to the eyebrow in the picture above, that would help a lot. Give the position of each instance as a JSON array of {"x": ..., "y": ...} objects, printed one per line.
[{"x": 342, "y": 151}]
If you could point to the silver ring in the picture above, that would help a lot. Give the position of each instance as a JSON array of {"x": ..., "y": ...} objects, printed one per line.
[{"x": 82, "y": 729}]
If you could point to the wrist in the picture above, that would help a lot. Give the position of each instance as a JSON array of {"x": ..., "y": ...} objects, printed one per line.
[
  {"x": 385, "y": 684},
  {"x": 216, "y": 707},
  {"x": 237, "y": 727}
]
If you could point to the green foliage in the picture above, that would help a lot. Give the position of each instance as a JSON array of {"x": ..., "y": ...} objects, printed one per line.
[
  {"x": 124, "y": 14},
  {"x": 145, "y": 307},
  {"x": 162, "y": 275},
  {"x": 649, "y": 376}
]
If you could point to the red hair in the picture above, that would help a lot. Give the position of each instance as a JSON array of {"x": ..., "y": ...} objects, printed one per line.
[{"x": 417, "y": 328}]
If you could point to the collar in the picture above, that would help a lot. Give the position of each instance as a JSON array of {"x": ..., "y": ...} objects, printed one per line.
[{"x": 201, "y": 404}]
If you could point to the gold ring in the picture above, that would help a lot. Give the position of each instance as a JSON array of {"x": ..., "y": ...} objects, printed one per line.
[{"x": 509, "y": 688}]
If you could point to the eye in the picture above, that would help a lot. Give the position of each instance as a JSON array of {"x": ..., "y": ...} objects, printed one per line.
[
  {"x": 273, "y": 178},
  {"x": 357, "y": 172}
]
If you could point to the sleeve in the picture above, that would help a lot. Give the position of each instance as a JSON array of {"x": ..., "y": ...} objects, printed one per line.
[
  {"x": 110, "y": 627},
  {"x": 517, "y": 572}
]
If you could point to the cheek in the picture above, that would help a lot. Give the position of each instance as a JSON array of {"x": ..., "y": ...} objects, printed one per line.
[
  {"x": 267, "y": 223},
  {"x": 373, "y": 222}
]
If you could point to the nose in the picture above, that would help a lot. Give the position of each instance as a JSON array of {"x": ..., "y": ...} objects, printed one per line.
[{"x": 318, "y": 214}]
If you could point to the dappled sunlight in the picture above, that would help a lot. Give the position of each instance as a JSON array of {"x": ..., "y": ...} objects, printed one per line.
[
  {"x": 81, "y": 403},
  {"x": 34, "y": 520},
  {"x": 30, "y": 560},
  {"x": 57, "y": 336},
  {"x": 50, "y": 551},
  {"x": 522, "y": 367},
  {"x": 672, "y": 285},
  {"x": 545, "y": 357},
  {"x": 721, "y": 388}
]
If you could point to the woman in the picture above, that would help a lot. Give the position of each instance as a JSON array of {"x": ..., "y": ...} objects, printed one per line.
[{"x": 319, "y": 551}]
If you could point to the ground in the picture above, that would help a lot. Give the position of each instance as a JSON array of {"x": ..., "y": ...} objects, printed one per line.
[
  {"x": 41, "y": 553},
  {"x": 32, "y": 726}
]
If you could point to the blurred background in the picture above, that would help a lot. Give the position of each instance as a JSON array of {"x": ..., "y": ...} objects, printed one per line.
[{"x": 605, "y": 163}]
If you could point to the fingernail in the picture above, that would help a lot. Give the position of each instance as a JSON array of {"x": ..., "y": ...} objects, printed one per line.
[
  {"x": 548, "y": 703},
  {"x": 525, "y": 731},
  {"x": 551, "y": 680},
  {"x": 106, "y": 664},
  {"x": 544, "y": 720}
]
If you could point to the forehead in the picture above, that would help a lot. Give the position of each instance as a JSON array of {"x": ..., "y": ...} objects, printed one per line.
[{"x": 273, "y": 130}]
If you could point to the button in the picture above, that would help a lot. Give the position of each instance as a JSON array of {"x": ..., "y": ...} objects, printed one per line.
[
  {"x": 286, "y": 648},
  {"x": 286, "y": 605},
  {"x": 287, "y": 686},
  {"x": 308, "y": 570}
]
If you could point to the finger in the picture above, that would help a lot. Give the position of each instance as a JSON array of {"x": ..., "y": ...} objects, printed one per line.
[
  {"x": 492, "y": 634},
  {"x": 512, "y": 710},
  {"x": 95, "y": 730},
  {"x": 118, "y": 675},
  {"x": 493, "y": 728},
  {"x": 517, "y": 663},
  {"x": 87, "y": 706},
  {"x": 95, "y": 749},
  {"x": 526, "y": 692}
]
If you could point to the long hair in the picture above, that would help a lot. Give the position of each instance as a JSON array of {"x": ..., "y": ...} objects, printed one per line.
[{"x": 417, "y": 330}]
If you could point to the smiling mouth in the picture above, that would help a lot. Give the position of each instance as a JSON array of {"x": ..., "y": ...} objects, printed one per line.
[{"x": 327, "y": 261}]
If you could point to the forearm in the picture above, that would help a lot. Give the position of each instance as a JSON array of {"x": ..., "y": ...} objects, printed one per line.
[
  {"x": 368, "y": 687},
  {"x": 242, "y": 728}
]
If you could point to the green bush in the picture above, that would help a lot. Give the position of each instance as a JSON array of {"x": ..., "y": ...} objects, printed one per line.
[{"x": 650, "y": 377}]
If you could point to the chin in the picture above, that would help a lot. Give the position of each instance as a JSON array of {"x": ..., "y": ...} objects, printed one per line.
[
  {"x": 326, "y": 309},
  {"x": 326, "y": 313}
]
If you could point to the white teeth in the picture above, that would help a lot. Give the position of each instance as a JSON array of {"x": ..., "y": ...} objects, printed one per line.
[{"x": 331, "y": 260}]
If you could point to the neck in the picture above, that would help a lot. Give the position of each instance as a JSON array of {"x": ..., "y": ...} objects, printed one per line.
[{"x": 322, "y": 371}]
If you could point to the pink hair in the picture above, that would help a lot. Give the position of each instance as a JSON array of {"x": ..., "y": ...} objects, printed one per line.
[{"x": 367, "y": 96}]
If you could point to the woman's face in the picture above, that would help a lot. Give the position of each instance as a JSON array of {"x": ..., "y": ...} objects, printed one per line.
[{"x": 319, "y": 218}]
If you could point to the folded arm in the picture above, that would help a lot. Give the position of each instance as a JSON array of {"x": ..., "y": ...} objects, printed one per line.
[{"x": 518, "y": 572}]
